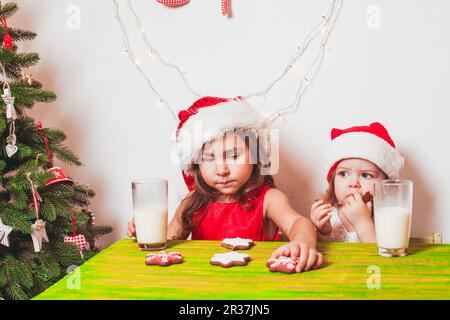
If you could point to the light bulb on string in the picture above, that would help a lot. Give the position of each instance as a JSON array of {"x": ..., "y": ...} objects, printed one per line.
[{"x": 159, "y": 102}]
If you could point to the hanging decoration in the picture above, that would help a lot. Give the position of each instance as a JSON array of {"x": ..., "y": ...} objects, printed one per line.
[
  {"x": 7, "y": 39},
  {"x": 38, "y": 232},
  {"x": 58, "y": 174},
  {"x": 226, "y": 5},
  {"x": 4, "y": 233},
  {"x": 79, "y": 239},
  {"x": 11, "y": 115},
  {"x": 323, "y": 29},
  {"x": 173, "y": 3}
]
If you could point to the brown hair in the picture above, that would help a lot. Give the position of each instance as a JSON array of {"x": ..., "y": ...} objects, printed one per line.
[
  {"x": 201, "y": 197},
  {"x": 329, "y": 196}
]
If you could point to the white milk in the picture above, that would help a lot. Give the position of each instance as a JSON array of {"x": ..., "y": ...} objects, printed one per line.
[
  {"x": 392, "y": 225},
  {"x": 151, "y": 224}
]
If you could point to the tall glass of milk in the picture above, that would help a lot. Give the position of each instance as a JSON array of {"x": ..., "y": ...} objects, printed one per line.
[
  {"x": 393, "y": 201},
  {"x": 150, "y": 213}
]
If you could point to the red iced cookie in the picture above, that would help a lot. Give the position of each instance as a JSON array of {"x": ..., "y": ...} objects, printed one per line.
[
  {"x": 163, "y": 258},
  {"x": 282, "y": 264}
]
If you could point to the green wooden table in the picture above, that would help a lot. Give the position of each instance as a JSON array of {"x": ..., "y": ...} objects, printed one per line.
[{"x": 352, "y": 271}]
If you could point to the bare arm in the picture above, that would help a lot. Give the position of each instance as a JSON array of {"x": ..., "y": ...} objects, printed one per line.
[{"x": 294, "y": 225}]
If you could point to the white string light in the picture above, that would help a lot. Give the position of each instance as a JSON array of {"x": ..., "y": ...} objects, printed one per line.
[
  {"x": 324, "y": 28},
  {"x": 131, "y": 56}
]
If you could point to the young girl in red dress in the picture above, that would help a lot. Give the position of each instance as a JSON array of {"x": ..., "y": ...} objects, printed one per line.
[{"x": 223, "y": 158}]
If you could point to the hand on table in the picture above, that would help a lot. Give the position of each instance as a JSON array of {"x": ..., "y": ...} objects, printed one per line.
[{"x": 310, "y": 258}]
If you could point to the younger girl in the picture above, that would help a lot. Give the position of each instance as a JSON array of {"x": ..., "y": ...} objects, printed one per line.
[
  {"x": 221, "y": 152},
  {"x": 358, "y": 157}
]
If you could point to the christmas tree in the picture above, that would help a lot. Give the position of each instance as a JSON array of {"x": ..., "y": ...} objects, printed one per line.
[{"x": 45, "y": 222}]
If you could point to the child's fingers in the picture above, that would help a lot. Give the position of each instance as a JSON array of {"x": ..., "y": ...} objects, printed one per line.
[
  {"x": 324, "y": 220},
  {"x": 312, "y": 259},
  {"x": 323, "y": 213},
  {"x": 295, "y": 251},
  {"x": 316, "y": 204},
  {"x": 281, "y": 251},
  {"x": 131, "y": 229},
  {"x": 319, "y": 261},
  {"x": 304, "y": 252}
]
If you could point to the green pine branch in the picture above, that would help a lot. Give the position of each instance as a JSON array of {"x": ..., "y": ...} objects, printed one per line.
[
  {"x": 8, "y": 9},
  {"x": 18, "y": 34}
]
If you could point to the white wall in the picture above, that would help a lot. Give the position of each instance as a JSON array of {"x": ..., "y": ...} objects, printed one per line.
[{"x": 398, "y": 75}]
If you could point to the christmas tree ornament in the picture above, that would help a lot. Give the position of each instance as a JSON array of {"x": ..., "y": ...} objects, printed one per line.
[
  {"x": 27, "y": 78},
  {"x": 79, "y": 239},
  {"x": 9, "y": 101},
  {"x": 226, "y": 8},
  {"x": 4, "y": 233},
  {"x": 7, "y": 39},
  {"x": 38, "y": 234},
  {"x": 11, "y": 147},
  {"x": 58, "y": 175},
  {"x": 173, "y": 3}
]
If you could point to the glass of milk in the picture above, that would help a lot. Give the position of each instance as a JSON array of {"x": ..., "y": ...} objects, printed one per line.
[
  {"x": 393, "y": 200},
  {"x": 150, "y": 213}
]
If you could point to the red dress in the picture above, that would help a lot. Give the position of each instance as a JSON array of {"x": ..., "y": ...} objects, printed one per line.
[{"x": 231, "y": 219}]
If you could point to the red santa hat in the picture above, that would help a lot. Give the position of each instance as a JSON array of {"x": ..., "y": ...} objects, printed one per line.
[
  {"x": 371, "y": 143},
  {"x": 207, "y": 120}
]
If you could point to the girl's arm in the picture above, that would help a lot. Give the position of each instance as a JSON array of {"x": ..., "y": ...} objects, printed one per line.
[
  {"x": 175, "y": 228},
  {"x": 300, "y": 231},
  {"x": 294, "y": 225}
]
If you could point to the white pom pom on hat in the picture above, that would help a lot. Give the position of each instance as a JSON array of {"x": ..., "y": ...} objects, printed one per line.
[{"x": 371, "y": 143}]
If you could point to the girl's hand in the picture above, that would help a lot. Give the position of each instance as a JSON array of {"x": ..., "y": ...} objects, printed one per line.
[
  {"x": 320, "y": 216},
  {"x": 357, "y": 211},
  {"x": 310, "y": 258},
  {"x": 131, "y": 229}
]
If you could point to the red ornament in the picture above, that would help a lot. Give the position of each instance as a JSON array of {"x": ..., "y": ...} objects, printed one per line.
[
  {"x": 7, "y": 39},
  {"x": 173, "y": 3},
  {"x": 79, "y": 240},
  {"x": 226, "y": 7},
  {"x": 59, "y": 177}
]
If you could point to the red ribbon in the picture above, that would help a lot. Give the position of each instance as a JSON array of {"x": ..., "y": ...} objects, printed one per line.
[
  {"x": 74, "y": 222},
  {"x": 173, "y": 3},
  {"x": 7, "y": 39},
  {"x": 49, "y": 153},
  {"x": 226, "y": 7}
]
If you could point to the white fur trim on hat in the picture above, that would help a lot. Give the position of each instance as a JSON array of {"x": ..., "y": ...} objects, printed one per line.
[
  {"x": 210, "y": 124},
  {"x": 365, "y": 146}
]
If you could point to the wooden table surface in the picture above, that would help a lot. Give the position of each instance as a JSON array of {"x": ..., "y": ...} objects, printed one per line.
[{"x": 119, "y": 272}]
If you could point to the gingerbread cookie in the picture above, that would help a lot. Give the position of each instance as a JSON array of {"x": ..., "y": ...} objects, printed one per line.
[
  {"x": 367, "y": 197},
  {"x": 163, "y": 258},
  {"x": 230, "y": 259},
  {"x": 237, "y": 243},
  {"x": 283, "y": 264}
]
